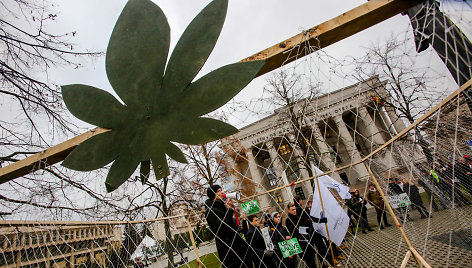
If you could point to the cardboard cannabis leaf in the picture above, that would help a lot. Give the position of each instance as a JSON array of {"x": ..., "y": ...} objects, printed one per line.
[{"x": 161, "y": 103}]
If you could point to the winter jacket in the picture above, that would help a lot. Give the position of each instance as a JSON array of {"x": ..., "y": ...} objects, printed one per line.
[{"x": 233, "y": 251}]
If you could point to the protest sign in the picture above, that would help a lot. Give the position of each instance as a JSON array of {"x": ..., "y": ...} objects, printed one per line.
[
  {"x": 398, "y": 201},
  {"x": 290, "y": 247},
  {"x": 267, "y": 240},
  {"x": 250, "y": 207}
]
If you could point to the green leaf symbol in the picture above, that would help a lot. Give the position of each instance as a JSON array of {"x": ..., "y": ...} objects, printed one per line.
[{"x": 162, "y": 104}]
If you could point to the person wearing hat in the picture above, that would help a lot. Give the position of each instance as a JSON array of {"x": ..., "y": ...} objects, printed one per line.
[
  {"x": 233, "y": 251},
  {"x": 278, "y": 233}
]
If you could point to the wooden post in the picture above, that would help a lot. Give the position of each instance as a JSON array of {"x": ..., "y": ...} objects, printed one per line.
[
  {"x": 194, "y": 245},
  {"x": 326, "y": 224},
  {"x": 406, "y": 259},
  {"x": 419, "y": 259}
]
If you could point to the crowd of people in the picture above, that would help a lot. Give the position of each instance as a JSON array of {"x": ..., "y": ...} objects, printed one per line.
[
  {"x": 240, "y": 243},
  {"x": 243, "y": 245}
]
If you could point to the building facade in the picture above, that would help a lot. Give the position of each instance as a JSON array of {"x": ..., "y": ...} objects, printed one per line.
[
  {"x": 330, "y": 131},
  {"x": 33, "y": 245}
]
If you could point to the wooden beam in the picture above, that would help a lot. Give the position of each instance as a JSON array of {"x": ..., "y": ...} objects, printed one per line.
[
  {"x": 330, "y": 32},
  {"x": 47, "y": 157},
  {"x": 320, "y": 36}
]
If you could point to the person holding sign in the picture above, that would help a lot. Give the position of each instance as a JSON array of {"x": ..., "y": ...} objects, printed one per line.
[
  {"x": 231, "y": 247},
  {"x": 279, "y": 233},
  {"x": 300, "y": 229},
  {"x": 262, "y": 256}
]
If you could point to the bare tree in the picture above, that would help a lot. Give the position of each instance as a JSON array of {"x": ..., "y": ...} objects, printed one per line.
[
  {"x": 292, "y": 95},
  {"x": 410, "y": 88},
  {"x": 28, "y": 52}
]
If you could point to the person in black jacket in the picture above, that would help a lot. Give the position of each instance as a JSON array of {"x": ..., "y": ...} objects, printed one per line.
[
  {"x": 278, "y": 233},
  {"x": 233, "y": 251},
  {"x": 263, "y": 257},
  {"x": 415, "y": 198},
  {"x": 299, "y": 228}
]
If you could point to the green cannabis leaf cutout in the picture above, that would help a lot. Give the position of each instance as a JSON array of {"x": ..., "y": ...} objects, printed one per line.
[{"x": 162, "y": 104}]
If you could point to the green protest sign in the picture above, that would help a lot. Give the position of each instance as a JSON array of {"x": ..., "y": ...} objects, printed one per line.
[
  {"x": 290, "y": 247},
  {"x": 250, "y": 207}
]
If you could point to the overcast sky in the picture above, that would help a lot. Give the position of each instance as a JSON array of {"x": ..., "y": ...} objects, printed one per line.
[{"x": 250, "y": 27}]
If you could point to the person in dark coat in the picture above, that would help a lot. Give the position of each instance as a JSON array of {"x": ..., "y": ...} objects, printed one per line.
[
  {"x": 357, "y": 205},
  {"x": 415, "y": 198},
  {"x": 376, "y": 200},
  {"x": 263, "y": 257},
  {"x": 295, "y": 223},
  {"x": 452, "y": 179},
  {"x": 278, "y": 233},
  {"x": 427, "y": 182},
  {"x": 233, "y": 251},
  {"x": 395, "y": 187},
  {"x": 464, "y": 173}
]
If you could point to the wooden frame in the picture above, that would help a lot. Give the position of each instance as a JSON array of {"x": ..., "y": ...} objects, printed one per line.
[{"x": 320, "y": 36}]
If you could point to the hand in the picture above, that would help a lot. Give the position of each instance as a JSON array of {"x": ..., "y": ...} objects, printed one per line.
[
  {"x": 229, "y": 203},
  {"x": 323, "y": 220},
  {"x": 288, "y": 237},
  {"x": 268, "y": 253}
]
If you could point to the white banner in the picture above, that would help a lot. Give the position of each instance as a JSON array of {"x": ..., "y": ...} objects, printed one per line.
[
  {"x": 267, "y": 240},
  {"x": 338, "y": 221},
  {"x": 329, "y": 182},
  {"x": 398, "y": 201}
]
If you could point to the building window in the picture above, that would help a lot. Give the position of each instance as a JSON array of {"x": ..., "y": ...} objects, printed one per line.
[
  {"x": 299, "y": 192},
  {"x": 293, "y": 172},
  {"x": 271, "y": 177},
  {"x": 284, "y": 149},
  {"x": 272, "y": 180},
  {"x": 278, "y": 198},
  {"x": 344, "y": 178},
  {"x": 334, "y": 154}
]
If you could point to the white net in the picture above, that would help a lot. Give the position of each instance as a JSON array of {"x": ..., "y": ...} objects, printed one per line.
[{"x": 383, "y": 120}]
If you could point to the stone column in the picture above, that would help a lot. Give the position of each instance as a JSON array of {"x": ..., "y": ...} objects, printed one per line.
[
  {"x": 299, "y": 156},
  {"x": 372, "y": 130},
  {"x": 257, "y": 178},
  {"x": 324, "y": 151},
  {"x": 351, "y": 147},
  {"x": 396, "y": 121},
  {"x": 278, "y": 169},
  {"x": 387, "y": 123}
]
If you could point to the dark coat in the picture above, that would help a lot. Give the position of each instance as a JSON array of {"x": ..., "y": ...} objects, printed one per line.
[
  {"x": 256, "y": 241},
  {"x": 231, "y": 247},
  {"x": 394, "y": 189},
  {"x": 279, "y": 233},
  {"x": 413, "y": 193},
  {"x": 291, "y": 223},
  {"x": 460, "y": 173}
]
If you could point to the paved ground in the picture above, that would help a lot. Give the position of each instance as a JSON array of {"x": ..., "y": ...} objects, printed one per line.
[{"x": 444, "y": 241}]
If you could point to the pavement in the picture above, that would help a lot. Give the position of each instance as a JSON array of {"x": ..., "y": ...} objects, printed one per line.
[{"x": 445, "y": 240}]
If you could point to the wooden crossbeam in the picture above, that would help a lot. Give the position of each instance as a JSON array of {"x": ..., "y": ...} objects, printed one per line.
[
  {"x": 330, "y": 32},
  {"x": 47, "y": 157},
  {"x": 320, "y": 36}
]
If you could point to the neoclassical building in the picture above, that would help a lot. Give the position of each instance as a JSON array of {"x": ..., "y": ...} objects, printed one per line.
[{"x": 331, "y": 131}]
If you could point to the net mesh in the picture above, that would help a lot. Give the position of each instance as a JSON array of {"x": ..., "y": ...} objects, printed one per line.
[{"x": 383, "y": 120}]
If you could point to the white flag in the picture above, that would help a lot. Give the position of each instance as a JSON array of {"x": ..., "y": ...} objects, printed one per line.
[
  {"x": 329, "y": 182},
  {"x": 338, "y": 221}
]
